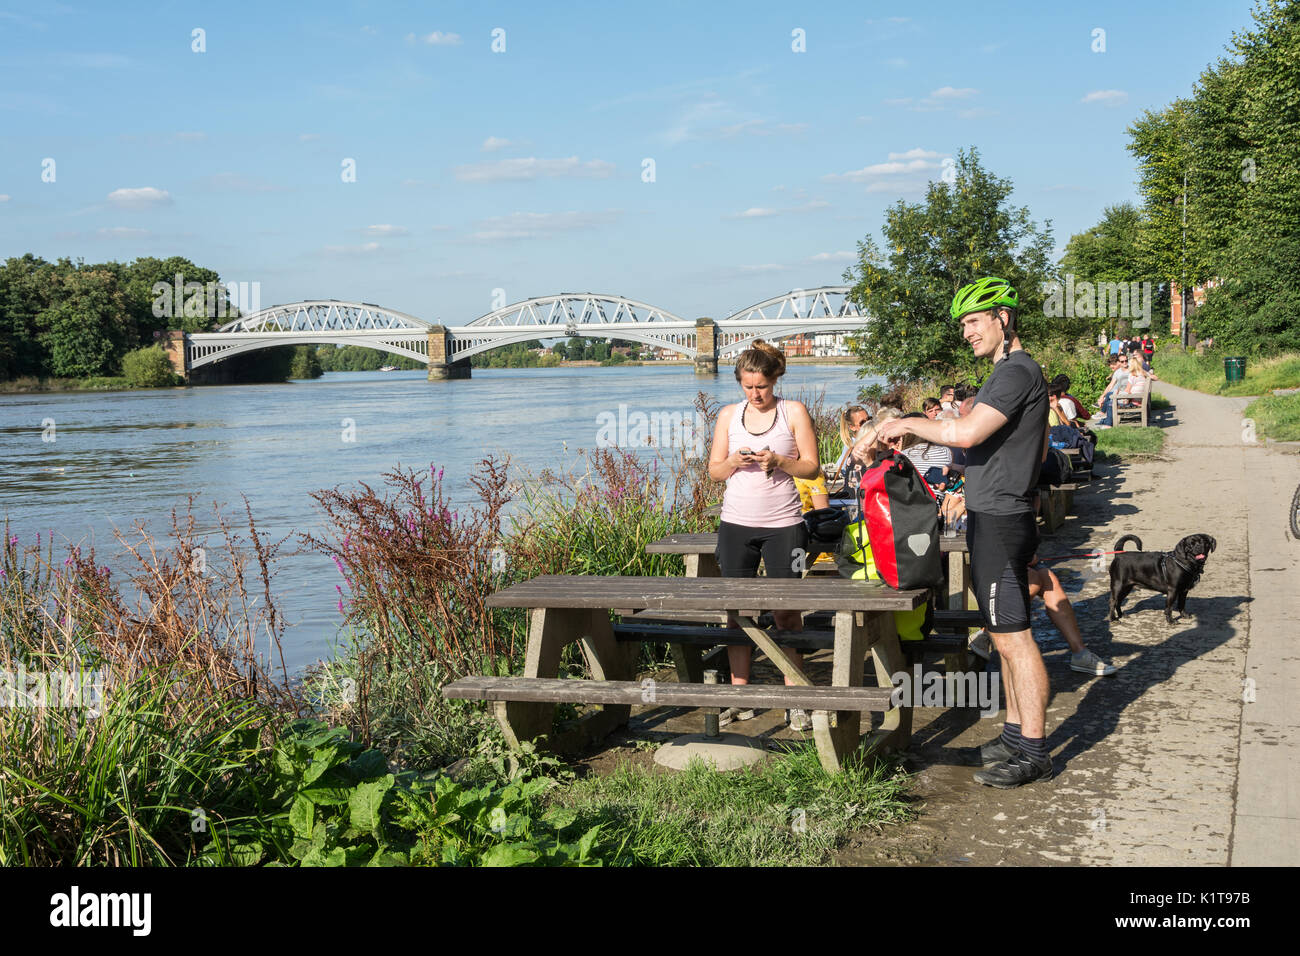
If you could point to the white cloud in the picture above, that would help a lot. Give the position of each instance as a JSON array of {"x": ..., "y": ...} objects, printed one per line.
[
  {"x": 4, "y": 197},
  {"x": 516, "y": 170},
  {"x": 756, "y": 212},
  {"x": 900, "y": 101},
  {"x": 369, "y": 31},
  {"x": 142, "y": 198},
  {"x": 308, "y": 137},
  {"x": 437, "y": 38},
  {"x": 1106, "y": 97},
  {"x": 916, "y": 152},
  {"x": 766, "y": 267},
  {"x": 977, "y": 112},
  {"x": 192, "y": 137},
  {"x": 953, "y": 93},
  {"x": 540, "y": 225},
  {"x": 366, "y": 248},
  {"x": 493, "y": 143},
  {"x": 897, "y": 62},
  {"x": 386, "y": 230},
  {"x": 914, "y": 160},
  {"x": 121, "y": 232},
  {"x": 832, "y": 257}
]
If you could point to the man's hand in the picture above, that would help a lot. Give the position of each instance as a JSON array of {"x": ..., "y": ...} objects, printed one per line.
[{"x": 893, "y": 428}]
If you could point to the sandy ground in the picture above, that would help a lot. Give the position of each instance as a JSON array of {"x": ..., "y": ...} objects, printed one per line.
[{"x": 1190, "y": 753}]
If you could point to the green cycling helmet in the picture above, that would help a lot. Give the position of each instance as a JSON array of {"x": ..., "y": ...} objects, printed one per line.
[{"x": 983, "y": 294}]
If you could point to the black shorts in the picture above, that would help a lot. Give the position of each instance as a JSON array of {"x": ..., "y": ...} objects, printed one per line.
[
  {"x": 740, "y": 547},
  {"x": 1001, "y": 547}
]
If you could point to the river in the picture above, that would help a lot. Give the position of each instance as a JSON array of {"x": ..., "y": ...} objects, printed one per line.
[{"x": 83, "y": 463}]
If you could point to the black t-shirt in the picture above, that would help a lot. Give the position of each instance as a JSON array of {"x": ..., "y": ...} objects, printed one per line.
[{"x": 1001, "y": 472}]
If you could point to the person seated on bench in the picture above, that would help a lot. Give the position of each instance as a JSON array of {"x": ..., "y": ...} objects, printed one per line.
[
  {"x": 852, "y": 420},
  {"x": 759, "y": 447},
  {"x": 1118, "y": 379},
  {"x": 1138, "y": 380},
  {"x": 931, "y": 407}
]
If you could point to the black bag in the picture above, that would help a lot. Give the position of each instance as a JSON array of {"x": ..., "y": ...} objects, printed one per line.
[{"x": 825, "y": 528}]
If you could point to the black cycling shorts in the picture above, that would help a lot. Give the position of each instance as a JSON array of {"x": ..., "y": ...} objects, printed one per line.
[
  {"x": 1001, "y": 547},
  {"x": 783, "y": 550}
]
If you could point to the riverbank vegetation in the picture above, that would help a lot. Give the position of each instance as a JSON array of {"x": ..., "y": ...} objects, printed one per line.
[
  {"x": 1205, "y": 372},
  {"x": 196, "y": 748}
]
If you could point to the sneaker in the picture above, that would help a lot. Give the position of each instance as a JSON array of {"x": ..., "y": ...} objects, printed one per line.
[
  {"x": 735, "y": 713},
  {"x": 981, "y": 645},
  {"x": 1015, "y": 772},
  {"x": 1086, "y": 662},
  {"x": 799, "y": 720},
  {"x": 996, "y": 751}
]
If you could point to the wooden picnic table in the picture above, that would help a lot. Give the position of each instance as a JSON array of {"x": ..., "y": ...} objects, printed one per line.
[{"x": 568, "y": 608}]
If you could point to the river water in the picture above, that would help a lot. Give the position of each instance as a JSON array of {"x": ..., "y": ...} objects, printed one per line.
[{"x": 83, "y": 463}]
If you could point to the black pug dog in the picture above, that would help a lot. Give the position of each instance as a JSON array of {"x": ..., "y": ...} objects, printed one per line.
[{"x": 1172, "y": 572}]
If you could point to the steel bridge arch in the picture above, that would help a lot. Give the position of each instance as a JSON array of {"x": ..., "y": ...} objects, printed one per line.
[
  {"x": 558, "y": 310},
  {"x": 325, "y": 315},
  {"x": 205, "y": 351}
]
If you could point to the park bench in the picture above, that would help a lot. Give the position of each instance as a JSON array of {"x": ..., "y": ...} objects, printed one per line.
[
  {"x": 575, "y": 608},
  {"x": 1132, "y": 411}
]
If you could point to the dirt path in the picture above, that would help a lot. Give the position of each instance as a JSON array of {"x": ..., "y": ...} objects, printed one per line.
[{"x": 1168, "y": 761}]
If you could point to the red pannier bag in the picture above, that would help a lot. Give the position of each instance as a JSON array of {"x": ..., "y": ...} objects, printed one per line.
[{"x": 902, "y": 517}]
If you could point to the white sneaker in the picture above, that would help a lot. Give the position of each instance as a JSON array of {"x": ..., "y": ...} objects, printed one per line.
[
  {"x": 735, "y": 713},
  {"x": 1086, "y": 662}
]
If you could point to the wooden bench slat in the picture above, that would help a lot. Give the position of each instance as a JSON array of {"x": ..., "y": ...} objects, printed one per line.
[
  {"x": 710, "y": 636},
  {"x": 705, "y": 594},
  {"x": 668, "y": 694},
  {"x": 707, "y": 543}
]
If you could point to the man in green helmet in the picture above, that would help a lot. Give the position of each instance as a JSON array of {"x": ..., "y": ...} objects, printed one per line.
[{"x": 1006, "y": 437}]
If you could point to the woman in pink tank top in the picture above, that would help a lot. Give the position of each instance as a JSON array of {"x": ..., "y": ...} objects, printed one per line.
[{"x": 760, "y": 445}]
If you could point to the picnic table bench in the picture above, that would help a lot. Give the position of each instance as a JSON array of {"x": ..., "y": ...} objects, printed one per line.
[{"x": 575, "y": 608}]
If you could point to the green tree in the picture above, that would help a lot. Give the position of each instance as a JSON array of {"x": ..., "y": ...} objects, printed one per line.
[
  {"x": 25, "y": 287},
  {"x": 963, "y": 230},
  {"x": 305, "y": 364},
  {"x": 82, "y": 332},
  {"x": 1111, "y": 252},
  {"x": 1233, "y": 148}
]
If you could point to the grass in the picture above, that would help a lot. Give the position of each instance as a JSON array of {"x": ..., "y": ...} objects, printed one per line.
[
  {"x": 785, "y": 811},
  {"x": 1276, "y": 417},
  {"x": 1130, "y": 441},
  {"x": 1204, "y": 373}
]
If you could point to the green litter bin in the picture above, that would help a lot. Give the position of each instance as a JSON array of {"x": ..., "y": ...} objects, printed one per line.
[{"x": 1235, "y": 368}]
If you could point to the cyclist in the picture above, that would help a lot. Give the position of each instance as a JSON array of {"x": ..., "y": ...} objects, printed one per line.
[{"x": 1006, "y": 437}]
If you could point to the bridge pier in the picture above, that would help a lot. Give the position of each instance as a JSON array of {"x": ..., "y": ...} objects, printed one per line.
[
  {"x": 173, "y": 343},
  {"x": 440, "y": 369},
  {"x": 706, "y": 346}
]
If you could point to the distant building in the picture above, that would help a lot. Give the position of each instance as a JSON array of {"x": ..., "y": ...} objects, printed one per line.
[{"x": 1176, "y": 303}]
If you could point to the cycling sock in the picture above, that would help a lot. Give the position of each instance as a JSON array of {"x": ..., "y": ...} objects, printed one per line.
[
  {"x": 1011, "y": 735},
  {"x": 1034, "y": 748}
]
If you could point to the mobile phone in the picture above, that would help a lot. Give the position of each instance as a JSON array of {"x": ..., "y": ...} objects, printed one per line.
[{"x": 747, "y": 452}]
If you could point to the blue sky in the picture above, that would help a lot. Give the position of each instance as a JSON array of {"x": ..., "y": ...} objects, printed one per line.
[{"x": 522, "y": 170}]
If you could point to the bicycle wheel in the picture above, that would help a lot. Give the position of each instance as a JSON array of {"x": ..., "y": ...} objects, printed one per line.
[{"x": 1295, "y": 514}]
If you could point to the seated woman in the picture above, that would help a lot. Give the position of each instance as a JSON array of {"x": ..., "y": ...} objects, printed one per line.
[
  {"x": 1138, "y": 380},
  {"x": 1118, "y": 380},
  {"x": 852, "y": 420}
]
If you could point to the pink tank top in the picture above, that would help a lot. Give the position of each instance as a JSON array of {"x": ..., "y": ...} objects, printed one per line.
[{"x": 752, "y": 498}]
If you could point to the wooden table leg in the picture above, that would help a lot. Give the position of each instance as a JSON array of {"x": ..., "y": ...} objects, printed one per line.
[
  {"x": 896, "y": 731},
  {"x": 549, "y": 629},
  {"x": 836, "y": 743}
]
